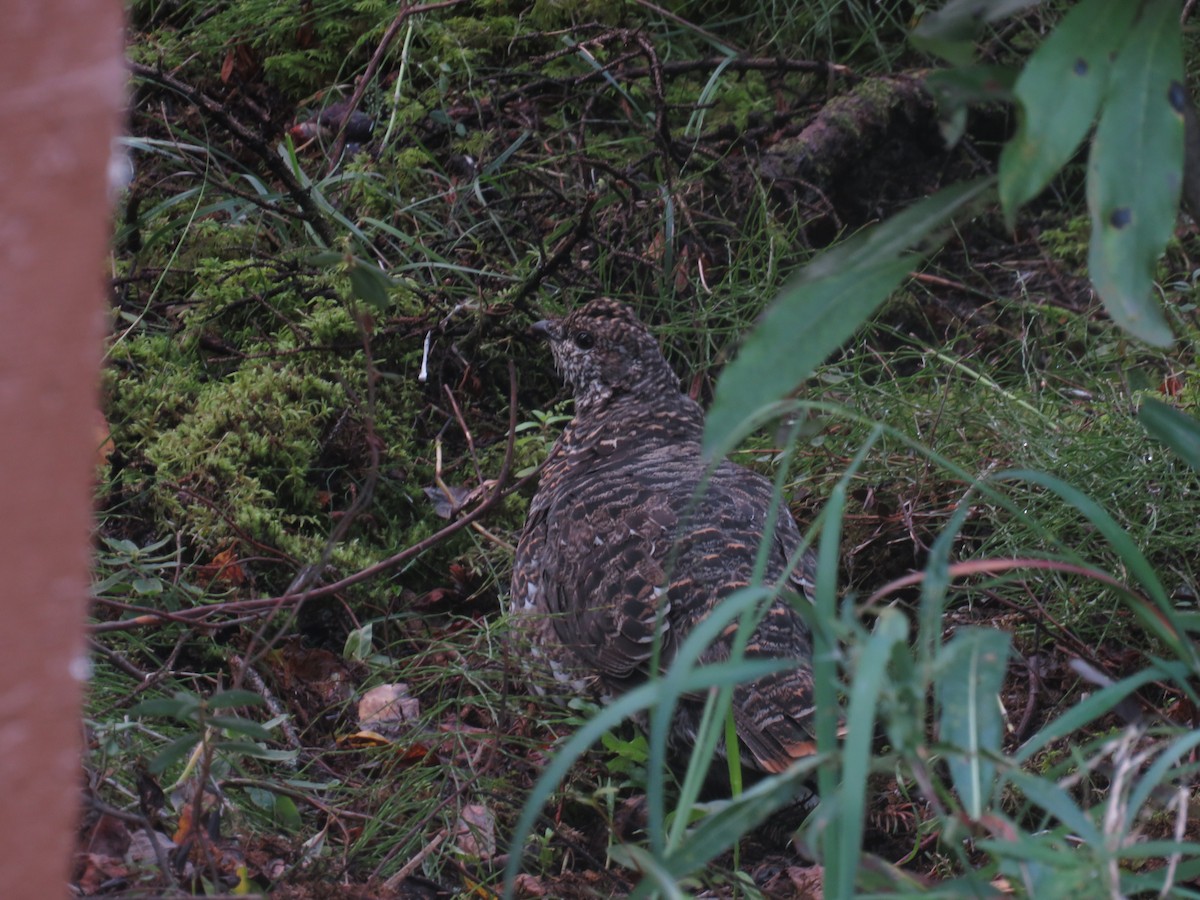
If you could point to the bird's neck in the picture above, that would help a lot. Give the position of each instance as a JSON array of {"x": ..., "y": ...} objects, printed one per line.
[{"x": 670, "y": 417}]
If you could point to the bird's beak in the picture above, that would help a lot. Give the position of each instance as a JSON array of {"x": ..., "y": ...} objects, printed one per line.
[{"x": 541, "y": 328}]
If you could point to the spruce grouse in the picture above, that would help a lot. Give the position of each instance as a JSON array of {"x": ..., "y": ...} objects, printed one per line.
[{"x": 616, "y": 536}]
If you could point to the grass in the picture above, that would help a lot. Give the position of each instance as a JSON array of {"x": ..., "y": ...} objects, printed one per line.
[{"x": 267, "y": 413}]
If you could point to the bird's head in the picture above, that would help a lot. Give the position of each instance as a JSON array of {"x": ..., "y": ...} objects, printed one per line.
[{"x": 603, "y": 351}]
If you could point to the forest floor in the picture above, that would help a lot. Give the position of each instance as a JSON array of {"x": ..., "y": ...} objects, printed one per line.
[{"x": 323, "y": 417}]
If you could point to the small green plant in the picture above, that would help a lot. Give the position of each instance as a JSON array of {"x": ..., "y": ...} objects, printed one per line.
[
  {"x": 210, "y": 729},
  {"x": 144, "y": 576}
]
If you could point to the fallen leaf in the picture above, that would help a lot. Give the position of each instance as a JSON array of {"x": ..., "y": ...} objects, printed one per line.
[
  {"x": 476, "y": 832},
  {"x": 223, "y": 568},
  {"x": 386, "y": 706}
]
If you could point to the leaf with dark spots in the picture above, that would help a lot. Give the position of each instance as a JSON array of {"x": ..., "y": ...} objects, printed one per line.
[
  {"x": 1135, "y": 173},
  {"x": 1057, "y": 110}
]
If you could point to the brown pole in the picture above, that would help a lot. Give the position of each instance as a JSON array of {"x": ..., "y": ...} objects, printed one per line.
[{"x": 61, "y": 87}]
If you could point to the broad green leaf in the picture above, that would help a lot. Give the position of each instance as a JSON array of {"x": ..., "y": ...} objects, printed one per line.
[
  {"x": 286, "y": 814},
  {"x": 238, "y": 725},
  {"x": 1059, "y": 92},
  {"x": 1046, "y": 794},
  {"x": 1178, "y": 431},
  {"x": 1135, "y": 171},
  {"x": 358, "y": 643},
  {"x": 910, "y": 229},
  {"x": 370, "y": 284},
  {"x": 182, "y": 705},
  {"x": 256, "y": 751},
  {"x": 819, "y": 310},
  {"x": 970, "y": 672},
  {"x": 807, "y": 323},
  {"x": 173, "y": 752},
  {"x": 950, "y": 32},
  {"x": 234, "y": 697}
]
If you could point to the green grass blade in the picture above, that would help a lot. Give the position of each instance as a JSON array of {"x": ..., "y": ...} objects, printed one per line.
[
  {"x": 1159, "y": 773},
  {"x": 1046, "y": 794},
  {"x": 662, "y": 694},
  {"x": 717, "y": 832},
  {"x": 841, "y": 857},
  {"x": 1086, "y": 711},
  {"x": 1168, "y": 628}
]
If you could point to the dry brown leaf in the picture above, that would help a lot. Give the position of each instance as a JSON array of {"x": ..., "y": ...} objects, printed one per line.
[
  {"x": 476, "y": 832},
  {"x": 386, "y": 706}
]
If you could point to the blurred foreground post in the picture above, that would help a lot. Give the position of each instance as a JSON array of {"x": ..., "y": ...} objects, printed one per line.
[{"x": 61, "y": 84}]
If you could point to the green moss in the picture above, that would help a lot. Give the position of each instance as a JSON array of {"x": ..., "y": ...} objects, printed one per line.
[{"x": 237, "y": 400}]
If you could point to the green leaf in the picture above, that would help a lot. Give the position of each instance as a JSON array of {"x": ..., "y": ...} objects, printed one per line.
[
  {"x": 238, "y": 725},
  {"x": 970, "y": 672},
  {"x": 182, "y": 706},
  {"x": 173, "y": 752},
  {"x": 1178, "y": 431},
  {"x": 819, "y": 310},
  {"x": 256, "y": 751},
  {"x": 358, "y": 643},
  {"x": 1059, "y": 92},
  {"x": 950, "y": 32},
  {"x": 144, "y": 586},
  {"x": 1135, "y": 171},
  {"x": 286, "y": 814},
  {"x": 234, "y": 697},
  {"x": 370, "y": 284}
]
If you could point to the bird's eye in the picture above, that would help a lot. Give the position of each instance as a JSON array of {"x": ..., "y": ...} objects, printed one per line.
[{"x": 584, "y": 340}]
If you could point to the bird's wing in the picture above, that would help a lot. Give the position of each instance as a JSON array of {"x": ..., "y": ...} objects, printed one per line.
[
  {"x": 608, "y": 587},
  {"x": 772, "y": 714}
]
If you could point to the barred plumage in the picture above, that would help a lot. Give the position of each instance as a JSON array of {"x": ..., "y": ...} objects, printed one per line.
[{"x": 616, "y": 538}]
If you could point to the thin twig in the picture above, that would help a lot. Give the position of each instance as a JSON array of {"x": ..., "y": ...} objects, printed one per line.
[
  {"x": 299, "y": 194},
  {"x": 996, "y": 567},
  {"x": 462, "y": 424},
  {"x": 560, "y": 255},
  {"x": 413, "y": 864},
  {"x": 339, "y": 141},
  {"x": 245, "y": 674}
]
